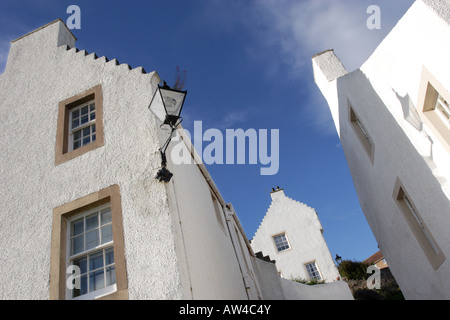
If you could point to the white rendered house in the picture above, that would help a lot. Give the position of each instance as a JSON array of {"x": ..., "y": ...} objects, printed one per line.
[
  {"x": 291, "y": 234},
  {"x": 392, "y": 116}
]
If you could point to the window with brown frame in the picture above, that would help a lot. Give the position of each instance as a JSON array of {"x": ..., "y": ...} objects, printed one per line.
[
  {"x": 87, "y": 251},
  {"x": 80, "y": 125}
]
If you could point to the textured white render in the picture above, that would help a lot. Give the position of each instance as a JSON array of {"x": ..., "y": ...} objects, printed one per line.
[
  {"x": 174, "y": 248},
  {"x": 384, "y": 93},
  {"x": 39, "y": 74},
  {"x": 304, "y": 231}
]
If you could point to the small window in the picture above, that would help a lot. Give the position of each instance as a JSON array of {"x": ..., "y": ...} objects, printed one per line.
[
  {"x": 281, "y": 242},
  {"x": 313, "y": 271},
  {"x": 87, "y": 251},
  {"x": 80, "y": 125},
  {"x": 418, "y": 226},
  {"x": 362, "y": 133},
  {"x": 433, "y": 107}
]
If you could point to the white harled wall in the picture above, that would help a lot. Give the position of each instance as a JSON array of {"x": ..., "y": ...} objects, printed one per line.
[
  {"x": 384, "y": 93},
  {"x": 39, "y": 74}
]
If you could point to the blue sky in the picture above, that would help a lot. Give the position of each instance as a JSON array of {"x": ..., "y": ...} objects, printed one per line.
[{"x": 248, "y": 65}]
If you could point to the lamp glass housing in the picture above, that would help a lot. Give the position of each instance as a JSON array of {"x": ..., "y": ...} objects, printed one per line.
[
  {"x": 173, "y": 101},
  {"x": 167, "y": 104}
]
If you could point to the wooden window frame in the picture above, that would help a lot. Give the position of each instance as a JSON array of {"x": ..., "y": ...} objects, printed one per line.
[
  {"x": 63, "y": 151},
  {"x": 60, "y": 224}
]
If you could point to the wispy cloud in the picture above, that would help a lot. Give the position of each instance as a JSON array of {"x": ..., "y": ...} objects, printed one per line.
[
  {"x": 299, "y": 29},
  {"x": 292, "y": 31}
]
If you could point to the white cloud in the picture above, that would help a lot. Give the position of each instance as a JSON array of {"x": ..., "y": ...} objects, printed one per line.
[
  {"x": 299, "y": 29},
  {"x": 289, "y": 32}
]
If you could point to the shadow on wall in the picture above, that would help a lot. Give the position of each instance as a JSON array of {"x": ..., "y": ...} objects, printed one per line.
[{"x": 412, "y": 117}]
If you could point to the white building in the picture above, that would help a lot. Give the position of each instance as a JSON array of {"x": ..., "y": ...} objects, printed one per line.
[
  {"x": 292, "y": 235},
  {"x": 392, "y": 117},
  {"x": 78, "y": 187},
  {"x": 82, "y": 214}
]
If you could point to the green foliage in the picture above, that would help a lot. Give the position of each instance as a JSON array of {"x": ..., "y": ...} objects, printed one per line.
[
  {"x": 353, "y": 270},
  {"x": 309, "y": 282}
]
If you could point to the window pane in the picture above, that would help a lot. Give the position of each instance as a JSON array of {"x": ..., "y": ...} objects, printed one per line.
[
  {"x": 91, "y": 222},
  {"x": 110, "y": 276},
  {"x": 84, "y": 119},
  {"x": 75, "y": 114},
  {"x": 84, "y": 110},
  {"x": 77, "y": 135},
  {"x": 92, "y": 239},
  {"x": 75, "y": 123},
  {"x": 82, "y": 264},
  {"x": 83, "y": 287},
  {"x": 96, "y": 280},
  {"x": 96, "y": 260},
  {"x": 107, "y": 234},
  {"x": 77, "y": 227},
  {"x": 86, "y": 141},
  {"x": 92, "y": 107},
  {"x": 109, "y": 256},
  {"x": 76, "y": 145},
  {"x": 105, "y": 216},
  {"x": 77, "y": 244},
  {"x": 86, "y": 132}
]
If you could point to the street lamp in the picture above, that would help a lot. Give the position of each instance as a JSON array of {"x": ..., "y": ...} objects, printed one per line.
[{"x": 167, "y": 104}]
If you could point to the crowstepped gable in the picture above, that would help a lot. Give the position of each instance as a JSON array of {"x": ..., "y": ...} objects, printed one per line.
[
  {"x": 104, "y": 59},
  {"x": 273, "y": 204}
]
